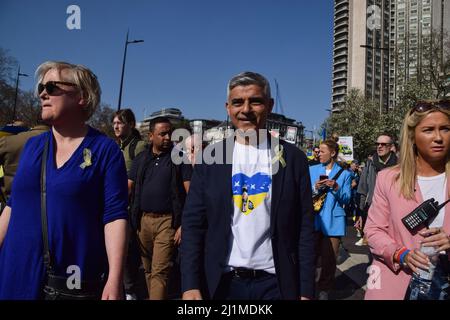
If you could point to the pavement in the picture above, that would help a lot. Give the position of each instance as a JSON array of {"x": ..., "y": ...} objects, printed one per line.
[{"x": 351, "y": 273}]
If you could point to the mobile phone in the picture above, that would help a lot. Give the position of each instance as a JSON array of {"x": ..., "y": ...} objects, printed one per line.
[{"x": 323, "y": 177}]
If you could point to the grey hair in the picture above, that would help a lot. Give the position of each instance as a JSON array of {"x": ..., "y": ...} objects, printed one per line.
[
  {"x": 84, "y": 78},
  {"x": 248, "y": 78}
]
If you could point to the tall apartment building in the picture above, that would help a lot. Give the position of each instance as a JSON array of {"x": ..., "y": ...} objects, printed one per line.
[
  {"x": 394, "y": 33},
  {"x": 360, "y": 51},
  {"x": 412, "y": 22},
  {"x": 340, "y": 52}
]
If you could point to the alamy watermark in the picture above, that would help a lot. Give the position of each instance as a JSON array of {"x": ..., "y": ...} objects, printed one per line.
[
  {"x": 216, "y": 154},
  {"x": 374, "y": 20},
  {"x": 73, "y": 21},
  {"x": 74, "y": 279},
  {"x": 374, "y": 280}
]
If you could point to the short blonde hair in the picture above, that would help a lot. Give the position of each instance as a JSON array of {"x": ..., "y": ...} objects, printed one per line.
[
  {"x": 84, "y": 78},
  {"x": 408, "y": 153}
]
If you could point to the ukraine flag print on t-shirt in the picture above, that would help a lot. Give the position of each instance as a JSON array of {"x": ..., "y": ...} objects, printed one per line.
[{"x": 250, "y": 192}]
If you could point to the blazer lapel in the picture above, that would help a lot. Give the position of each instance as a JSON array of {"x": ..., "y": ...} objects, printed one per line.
[
  {"x": 224, "y": 173},
  {"x": 333, "y": 171}
]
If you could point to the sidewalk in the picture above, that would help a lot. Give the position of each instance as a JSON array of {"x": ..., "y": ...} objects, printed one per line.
[{"x": 351, "y": 273}]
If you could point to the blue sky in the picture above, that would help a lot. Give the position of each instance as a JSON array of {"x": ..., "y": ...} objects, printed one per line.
[{"x": 191, "y": 49}]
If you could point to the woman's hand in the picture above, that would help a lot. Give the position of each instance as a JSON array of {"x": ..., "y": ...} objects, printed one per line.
[
  {"x": 319, "y": 183},
  {"x": 331, "y": 183},
  {"x": 358, "y": 223},
  {"x": 436, "y": 237},
  {"x": 416, "y": 259}
]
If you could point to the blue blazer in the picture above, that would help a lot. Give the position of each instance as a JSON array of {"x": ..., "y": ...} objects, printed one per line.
[
  {"x": 331, "y": 219},
  {"x": 207, "y": 218}
]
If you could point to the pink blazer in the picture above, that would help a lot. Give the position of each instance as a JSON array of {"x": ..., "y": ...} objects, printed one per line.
[{"x": 386, "y": 233}]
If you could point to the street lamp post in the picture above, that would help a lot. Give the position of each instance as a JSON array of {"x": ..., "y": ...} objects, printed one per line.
[
  {"x": 123, "y": 68},
  {"x": 17, "y": 89}
]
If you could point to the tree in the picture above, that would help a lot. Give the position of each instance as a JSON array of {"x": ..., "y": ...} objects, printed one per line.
[
  {"x": 8, "y": 66},
  {"x": 28, "y": 108},
  {"x": 102, "y": 119},
  {"x": 391, "y": 122},
  {"x": 435, "y": 70},
  {"x": 359, "y": 118}
]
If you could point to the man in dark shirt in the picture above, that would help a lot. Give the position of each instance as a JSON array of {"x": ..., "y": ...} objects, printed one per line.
[
  {"x": 315, "y": 160},
  {"x": 159, "y": 189}
]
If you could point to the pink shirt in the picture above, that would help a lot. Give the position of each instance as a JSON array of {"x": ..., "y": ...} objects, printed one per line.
[{"x": 386, "y": 233}]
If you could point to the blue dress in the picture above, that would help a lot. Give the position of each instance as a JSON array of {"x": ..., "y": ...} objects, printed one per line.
[{"x": 79, "y": 204}]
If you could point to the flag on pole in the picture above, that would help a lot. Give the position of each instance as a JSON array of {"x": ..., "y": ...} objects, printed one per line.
[{"x": 324, "y": 134}]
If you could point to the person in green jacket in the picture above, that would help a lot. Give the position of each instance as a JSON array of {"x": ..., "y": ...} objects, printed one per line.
[
  {"x": 10, "y": 149},
  {"x": 131, "y": 144}
]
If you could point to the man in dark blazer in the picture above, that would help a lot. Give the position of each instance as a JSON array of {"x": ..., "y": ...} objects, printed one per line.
[{"x": 248, "y": 227}]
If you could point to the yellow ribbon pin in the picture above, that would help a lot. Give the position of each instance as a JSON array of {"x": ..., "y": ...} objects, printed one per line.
[
  {"x": 87, "y": 156},
  {"x": 279, "y": 156}
]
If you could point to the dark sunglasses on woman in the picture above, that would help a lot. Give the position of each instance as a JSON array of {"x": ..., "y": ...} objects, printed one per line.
[
  {"x": 50, "y": 86},
  {"x": 424, "y": 106}
]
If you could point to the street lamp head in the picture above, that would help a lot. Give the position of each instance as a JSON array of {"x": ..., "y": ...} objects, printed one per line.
[{"x": 135, "y": 41}]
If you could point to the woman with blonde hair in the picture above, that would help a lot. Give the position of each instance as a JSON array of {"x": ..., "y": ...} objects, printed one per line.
[
  {"x": 422, "y": 173},
  {"x": 62, "y": 234}
]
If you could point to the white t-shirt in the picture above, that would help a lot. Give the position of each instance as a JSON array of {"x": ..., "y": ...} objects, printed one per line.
[
  {"x": 434, "y": 187},
  {"x": 251, "y": 246}
]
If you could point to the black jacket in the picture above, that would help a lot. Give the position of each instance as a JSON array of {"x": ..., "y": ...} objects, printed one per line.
[
  {"x": 207, "y": 218},
  {"x": 178, "y": 192}
]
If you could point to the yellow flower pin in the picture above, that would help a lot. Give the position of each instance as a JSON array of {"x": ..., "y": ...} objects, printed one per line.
[
  {"x": 279, "y": 156},
  {"x": 87, "y": 156}
]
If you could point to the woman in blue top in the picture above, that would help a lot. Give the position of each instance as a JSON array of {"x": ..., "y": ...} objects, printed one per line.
[
  {"x": 86, "y": 194},
  {"x": 330, "y": 221}
]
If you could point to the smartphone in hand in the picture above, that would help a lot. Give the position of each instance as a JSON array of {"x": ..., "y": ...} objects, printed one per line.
[{"x": 323, "y": 177}]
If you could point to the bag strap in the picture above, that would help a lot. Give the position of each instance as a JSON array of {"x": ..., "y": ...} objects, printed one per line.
[
  {"x": 47, "y": 259},
  {"x": 336, "y": 176}
]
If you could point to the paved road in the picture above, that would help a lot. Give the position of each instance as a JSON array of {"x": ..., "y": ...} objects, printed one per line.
[{"x": 351, "y": 273}]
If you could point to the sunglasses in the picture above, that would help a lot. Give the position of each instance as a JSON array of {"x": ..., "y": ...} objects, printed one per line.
[
  {"x": 424, "y": 106},
  {"x": 50, "y": 86},
  {"x": 383, "y": 144}
]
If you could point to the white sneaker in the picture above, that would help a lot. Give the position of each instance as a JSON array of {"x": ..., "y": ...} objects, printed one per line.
[
  {"x": 360, "y": 242},
  {"x": 323, "y": 295},
  {"x": 130, "y": 296},
  {"x": 358, "y": 233}
]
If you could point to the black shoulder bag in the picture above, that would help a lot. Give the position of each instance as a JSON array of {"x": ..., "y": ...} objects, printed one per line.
[{"x": 57, "y": 287}]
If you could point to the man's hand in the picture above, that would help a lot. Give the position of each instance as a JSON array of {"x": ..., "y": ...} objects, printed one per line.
[
  {"x": 177, "y": 237},
  {"x": 112, "y": 291},
  {"x": 193, "y": 294}
]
